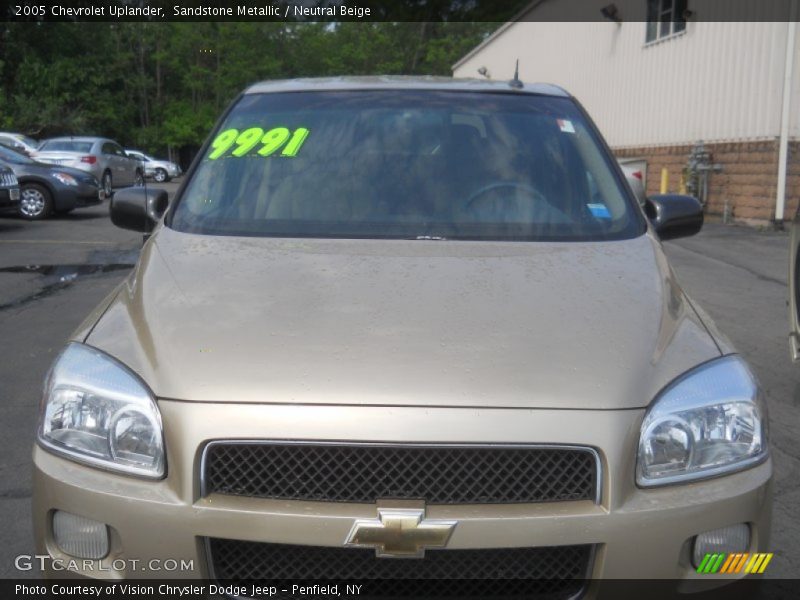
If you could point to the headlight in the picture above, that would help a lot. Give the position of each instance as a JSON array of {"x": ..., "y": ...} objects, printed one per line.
[
  {"x": 96, "y": 411},
  {"x": 65, "y": 179},
  {"x": 709, "y": 422}
]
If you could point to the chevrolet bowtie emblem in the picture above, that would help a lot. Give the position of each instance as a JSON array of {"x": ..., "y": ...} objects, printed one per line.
[{"x": 400, "y": 532}]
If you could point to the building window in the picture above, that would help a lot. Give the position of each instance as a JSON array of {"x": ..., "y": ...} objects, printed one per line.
[{"x": 665, "y": 18}]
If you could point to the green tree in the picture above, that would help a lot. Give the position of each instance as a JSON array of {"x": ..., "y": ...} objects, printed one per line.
[{"x": 159, "y": 85}]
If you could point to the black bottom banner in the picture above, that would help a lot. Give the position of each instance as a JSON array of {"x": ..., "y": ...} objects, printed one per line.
[{"x": 555, "y": 589}]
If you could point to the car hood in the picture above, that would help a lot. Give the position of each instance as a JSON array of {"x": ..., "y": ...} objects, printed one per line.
[
  {"x": 597, "y": 325},
  {"x": 68, "y": 171},
  {"x": 45, "y": 170}
]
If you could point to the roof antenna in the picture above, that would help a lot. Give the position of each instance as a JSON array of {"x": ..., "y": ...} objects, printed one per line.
[{"x": 516, "y": 83}]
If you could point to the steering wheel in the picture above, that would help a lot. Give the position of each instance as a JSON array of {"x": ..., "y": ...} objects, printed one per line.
[{"x": 531, "y": 193}]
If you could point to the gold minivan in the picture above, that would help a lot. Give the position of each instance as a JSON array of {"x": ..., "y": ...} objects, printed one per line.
[{"x": 402, "y": 328}]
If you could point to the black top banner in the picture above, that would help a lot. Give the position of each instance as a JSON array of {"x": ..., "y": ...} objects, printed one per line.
[{"x": 498, "y": 11}]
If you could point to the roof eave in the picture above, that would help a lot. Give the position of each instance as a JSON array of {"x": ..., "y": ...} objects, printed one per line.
[{"x": 497, "y": 33}]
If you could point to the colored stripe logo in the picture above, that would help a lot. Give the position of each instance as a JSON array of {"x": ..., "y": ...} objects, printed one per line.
[{"x": 738, "y": 562}]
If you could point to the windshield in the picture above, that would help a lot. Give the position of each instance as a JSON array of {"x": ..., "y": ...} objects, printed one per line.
[
  {"x": 406, "y": 164},
  {"x": 12, "y": 156},
  {"x": 66, "y": 146}
]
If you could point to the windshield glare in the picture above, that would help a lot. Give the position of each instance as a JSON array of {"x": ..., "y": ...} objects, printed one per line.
[{"x": 406, "y": 164}]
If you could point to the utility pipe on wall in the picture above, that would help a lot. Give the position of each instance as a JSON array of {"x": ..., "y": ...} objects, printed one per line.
[{"x": 783, "y": 144}]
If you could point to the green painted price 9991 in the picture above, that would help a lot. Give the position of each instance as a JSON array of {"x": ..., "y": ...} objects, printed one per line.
[{"x": 271, "y": 140}]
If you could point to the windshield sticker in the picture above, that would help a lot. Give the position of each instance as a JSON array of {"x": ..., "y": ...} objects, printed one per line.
[
  {"x": 599, "y": 211},
  {"x": 242, "y": 143},
  {"x": 565, "y": 125}
]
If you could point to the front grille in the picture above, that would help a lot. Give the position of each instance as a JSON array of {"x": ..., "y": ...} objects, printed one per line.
[
  {"x": 364, "y": 473},
  {"x": 554, "y": 572},
  {"x": 8, "y": 179}
]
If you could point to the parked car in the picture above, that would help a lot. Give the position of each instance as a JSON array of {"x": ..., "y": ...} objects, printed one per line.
[
  {"x": 45, "y": 189},
  {"x": 159, "y": 170},
  {"x": 102, "y": 157},
  {"x": 391, "y": 326},
  {"x": 9, "y": 189},
  {"x": 19, "y": 142}
]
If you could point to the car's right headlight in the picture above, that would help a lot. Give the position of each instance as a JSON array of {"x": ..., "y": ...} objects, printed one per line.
[
  {"x": 710, "y": 422},
  {"x": 65, "y": 178},
  {"x": 98, "y": 412}
]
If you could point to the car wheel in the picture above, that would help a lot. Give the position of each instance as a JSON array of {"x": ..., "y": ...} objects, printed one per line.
[
  {"x": 35, "y": 201},
  {"x": 138, "y": 180},
  {"x": 161, "y": 176},
  {"x": 106, "y": 184}
]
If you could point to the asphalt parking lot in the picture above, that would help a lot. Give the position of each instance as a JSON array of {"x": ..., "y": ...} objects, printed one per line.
[
  {"x": 52, "y": 273},
  {"x": 48, "y": 284}
]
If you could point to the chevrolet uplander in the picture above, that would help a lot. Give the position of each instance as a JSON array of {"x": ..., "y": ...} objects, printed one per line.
[{"x": 402, "y": 328}]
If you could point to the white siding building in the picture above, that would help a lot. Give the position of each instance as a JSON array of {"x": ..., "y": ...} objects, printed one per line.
[{"x": 655, "y": 89}]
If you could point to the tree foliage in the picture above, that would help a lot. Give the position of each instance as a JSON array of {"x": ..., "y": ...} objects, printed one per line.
[{"x": 155, "y": 85}]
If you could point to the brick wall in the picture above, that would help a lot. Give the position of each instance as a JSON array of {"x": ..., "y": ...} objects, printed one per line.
[{"x": 748, "y": 179}]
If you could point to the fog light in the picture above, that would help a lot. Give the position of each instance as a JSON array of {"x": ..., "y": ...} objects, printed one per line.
[
  {"x": 735, "y": 538},
  {"x": 79, "y": 536}
]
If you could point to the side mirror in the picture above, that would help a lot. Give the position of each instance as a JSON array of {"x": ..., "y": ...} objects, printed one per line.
[
  {"x": 673, "y": 215},
  {"x": 138, "y": 209}
]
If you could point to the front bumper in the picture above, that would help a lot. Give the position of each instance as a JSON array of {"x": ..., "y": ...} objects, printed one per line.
[
  {"x": 79, "y": 196},
  {"x": 637, "y": 533},
  {"x": 172, "y": 170},
  {"x": 9, "y": 197}
]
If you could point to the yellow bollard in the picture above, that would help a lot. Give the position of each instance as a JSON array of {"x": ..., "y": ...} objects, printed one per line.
[
  {"x": 664, "y": 180},
  {"x": 682, "y": 185}
]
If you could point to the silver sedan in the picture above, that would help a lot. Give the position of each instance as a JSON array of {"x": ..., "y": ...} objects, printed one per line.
[
  {"x": 102, "y": 157},
  {"x": 159, "y": 170}
]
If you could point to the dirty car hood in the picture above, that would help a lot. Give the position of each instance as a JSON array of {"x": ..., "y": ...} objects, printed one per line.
[{"x": 595, "y": 325}]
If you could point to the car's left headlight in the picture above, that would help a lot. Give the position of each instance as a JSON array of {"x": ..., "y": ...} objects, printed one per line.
[
  {"x": 710, "y": 422},
  {"x": 98, "y": 412},
  {"x": 65, "y": 178}
]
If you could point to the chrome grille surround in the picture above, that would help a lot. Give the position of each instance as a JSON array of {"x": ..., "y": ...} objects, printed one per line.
[{"x": 363, "y": 472}]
